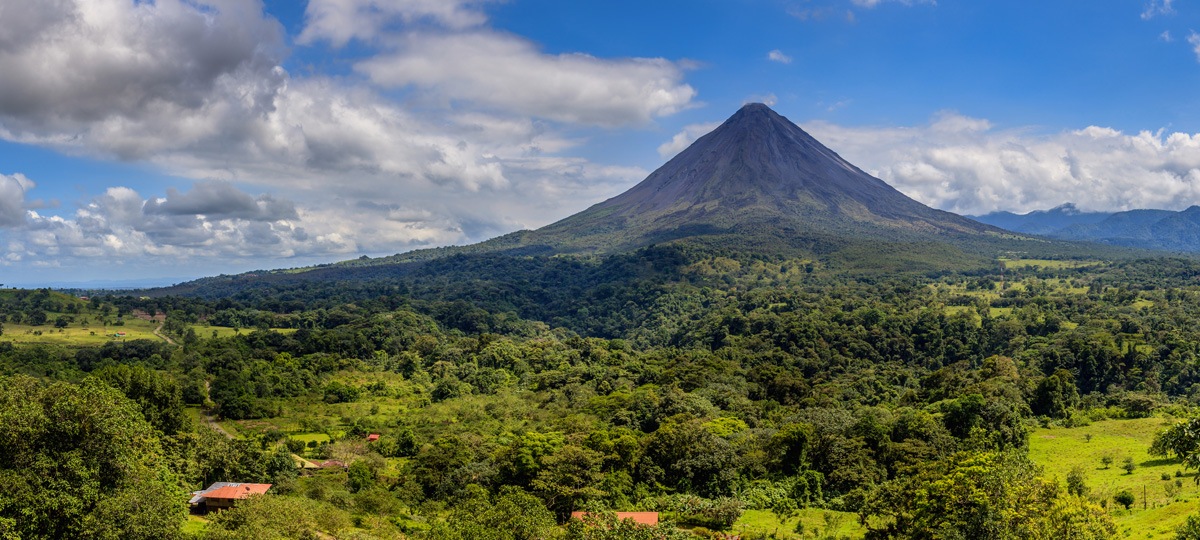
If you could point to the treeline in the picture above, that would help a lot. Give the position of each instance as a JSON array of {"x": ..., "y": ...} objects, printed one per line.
[{"x": 690, "y": 383}]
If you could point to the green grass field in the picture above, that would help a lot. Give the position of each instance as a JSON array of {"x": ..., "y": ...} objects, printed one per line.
[
  {"x": 206, "y": 331},
  {"x": 194, "y": 525},
  {"x": 1153, "y": 516},
  {"x": 77, "y": 335},
  {"x": 96, "y": 334},
  {"x": 814, "y": 520},
  {"x": 1047, "y": 264}
]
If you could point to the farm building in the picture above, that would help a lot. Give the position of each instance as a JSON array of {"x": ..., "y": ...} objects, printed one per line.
[{"x": 224, "y": 495}]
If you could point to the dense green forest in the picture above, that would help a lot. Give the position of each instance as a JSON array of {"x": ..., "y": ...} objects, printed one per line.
[{"x": 510, "y": 391}]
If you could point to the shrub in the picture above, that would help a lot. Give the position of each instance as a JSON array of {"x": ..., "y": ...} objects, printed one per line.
[{"x": 1124, "y": 498}]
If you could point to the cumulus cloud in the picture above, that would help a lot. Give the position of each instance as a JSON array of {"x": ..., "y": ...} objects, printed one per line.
[
  {"x": 196, "y": 89},
  {"x": 130, "y": 76},
  {"x": 685, "y": 138},
  {"x": 212, "y": 220},
  {"x": 510, "y": 74},
  {"x": 339, "y": 21},
  {"x": 777, "y": 55},
  {"x": 965, "y": 165},
  {"x": 12, "y": 198},
  {"x": 221, "y": 200}
]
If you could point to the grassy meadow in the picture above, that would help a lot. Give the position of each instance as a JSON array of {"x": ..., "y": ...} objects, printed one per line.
[{"x": 1154, "y": 515}]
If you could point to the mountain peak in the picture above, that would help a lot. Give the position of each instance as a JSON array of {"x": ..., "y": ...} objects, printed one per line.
[
  {"x": 755, "y": 172},
  {"x": 755, "y": 109}
]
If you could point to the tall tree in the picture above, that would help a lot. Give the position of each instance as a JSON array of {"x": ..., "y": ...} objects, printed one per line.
[{"x": 80, "y": 461}]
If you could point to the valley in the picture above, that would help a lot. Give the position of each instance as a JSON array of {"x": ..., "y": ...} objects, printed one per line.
[{"x": 758, "y": 341}]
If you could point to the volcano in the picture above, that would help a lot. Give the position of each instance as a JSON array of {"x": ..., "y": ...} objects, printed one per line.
[{"x": 757, "y": 179}]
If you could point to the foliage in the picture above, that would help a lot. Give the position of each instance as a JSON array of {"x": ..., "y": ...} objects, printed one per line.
[
  {"x": 606, "y": 526},
  {"x": 1190, "y": 530},
  {"x": 1181, "y": 440},
  {"x": 81, "y": 461},
  {"x": 512, "y": 515},
  {"x": 268, "y": 517},
  {"x": 1124, "y": 498},
  {"x": 981, "y": 495}
]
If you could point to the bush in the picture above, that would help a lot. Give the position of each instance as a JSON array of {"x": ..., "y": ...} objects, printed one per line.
[
  {"x": 1124, "y": 498},
  {"x": 336, "y": 392},
  {"x": 1076, "y": 482}
]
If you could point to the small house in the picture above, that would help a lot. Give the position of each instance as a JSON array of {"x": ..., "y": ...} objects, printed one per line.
[
  {"x": 221, "y": 495},
  {"x": 373, "y": 437}
]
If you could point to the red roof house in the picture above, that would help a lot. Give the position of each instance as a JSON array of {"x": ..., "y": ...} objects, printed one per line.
[
  {"x": 641, "y": 518},
  {"x": 373, "y": 437},
  {"x": 225, "y": 494}
]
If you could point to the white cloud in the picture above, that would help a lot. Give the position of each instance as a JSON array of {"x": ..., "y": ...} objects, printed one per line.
[
  {"x": 1166, "y": 37},
  {"x": 1194, "y": 41},
  {"x": 766, "y": 99},
  {"x": 339, "y": 21},
  {"x": 777, "y": 55},
  {"x": 129, "y": 76},
  {"x": 510, "y": 74},
  {"x": 965, "y": 165},
  {"x": 196, "y": 88},
  {"x": 685, "y": 138},
  {"x": 1157, "y": 7},
  {"x": 211, "y": 220},
  {"x": 12, "y": 198},
  {"x": 873, "y": 3}
]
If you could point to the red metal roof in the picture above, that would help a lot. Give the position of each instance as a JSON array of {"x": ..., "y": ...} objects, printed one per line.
[
  {"x": 239, "y": 491},
  {"x": 641, "y": 518}
]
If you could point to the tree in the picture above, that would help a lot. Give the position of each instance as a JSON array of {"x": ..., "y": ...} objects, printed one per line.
[
  {"x": 1124, "y": 498},
  {"x": 981, "y": 495},
  {"x": 359, "y": 476},
  {"x": 1076, "y": 482},
  {"x": 1056, "y": 395},
  {"x": 80, "y": 461},
  {"x": 158, "y": 394},
  {"x": 513, "y": 515},
  {"x": 1181, "y": 440},
  {"x": 606, "y": 526},
  {"x": 1190, "y": 530},
  {"x": 568, "y": 477},
  {"x": 268, "y": 517},
  {"x": 1128, "y": 465},
  {"x": 36, "y": 317},
  {"x": 789, "y": 447}
]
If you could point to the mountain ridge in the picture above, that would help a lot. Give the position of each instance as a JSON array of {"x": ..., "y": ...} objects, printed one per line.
[{"x": 1163, "y": 230}]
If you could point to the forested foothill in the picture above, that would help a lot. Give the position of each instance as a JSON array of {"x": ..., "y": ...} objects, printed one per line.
[{"x": 757, "y": 396}]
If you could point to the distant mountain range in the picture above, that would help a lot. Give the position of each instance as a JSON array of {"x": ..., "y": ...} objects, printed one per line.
[{"x": 1151, "y": 229}]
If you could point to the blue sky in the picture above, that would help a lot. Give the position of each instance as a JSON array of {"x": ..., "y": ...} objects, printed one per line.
[{"x": 166, "y": 139}]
